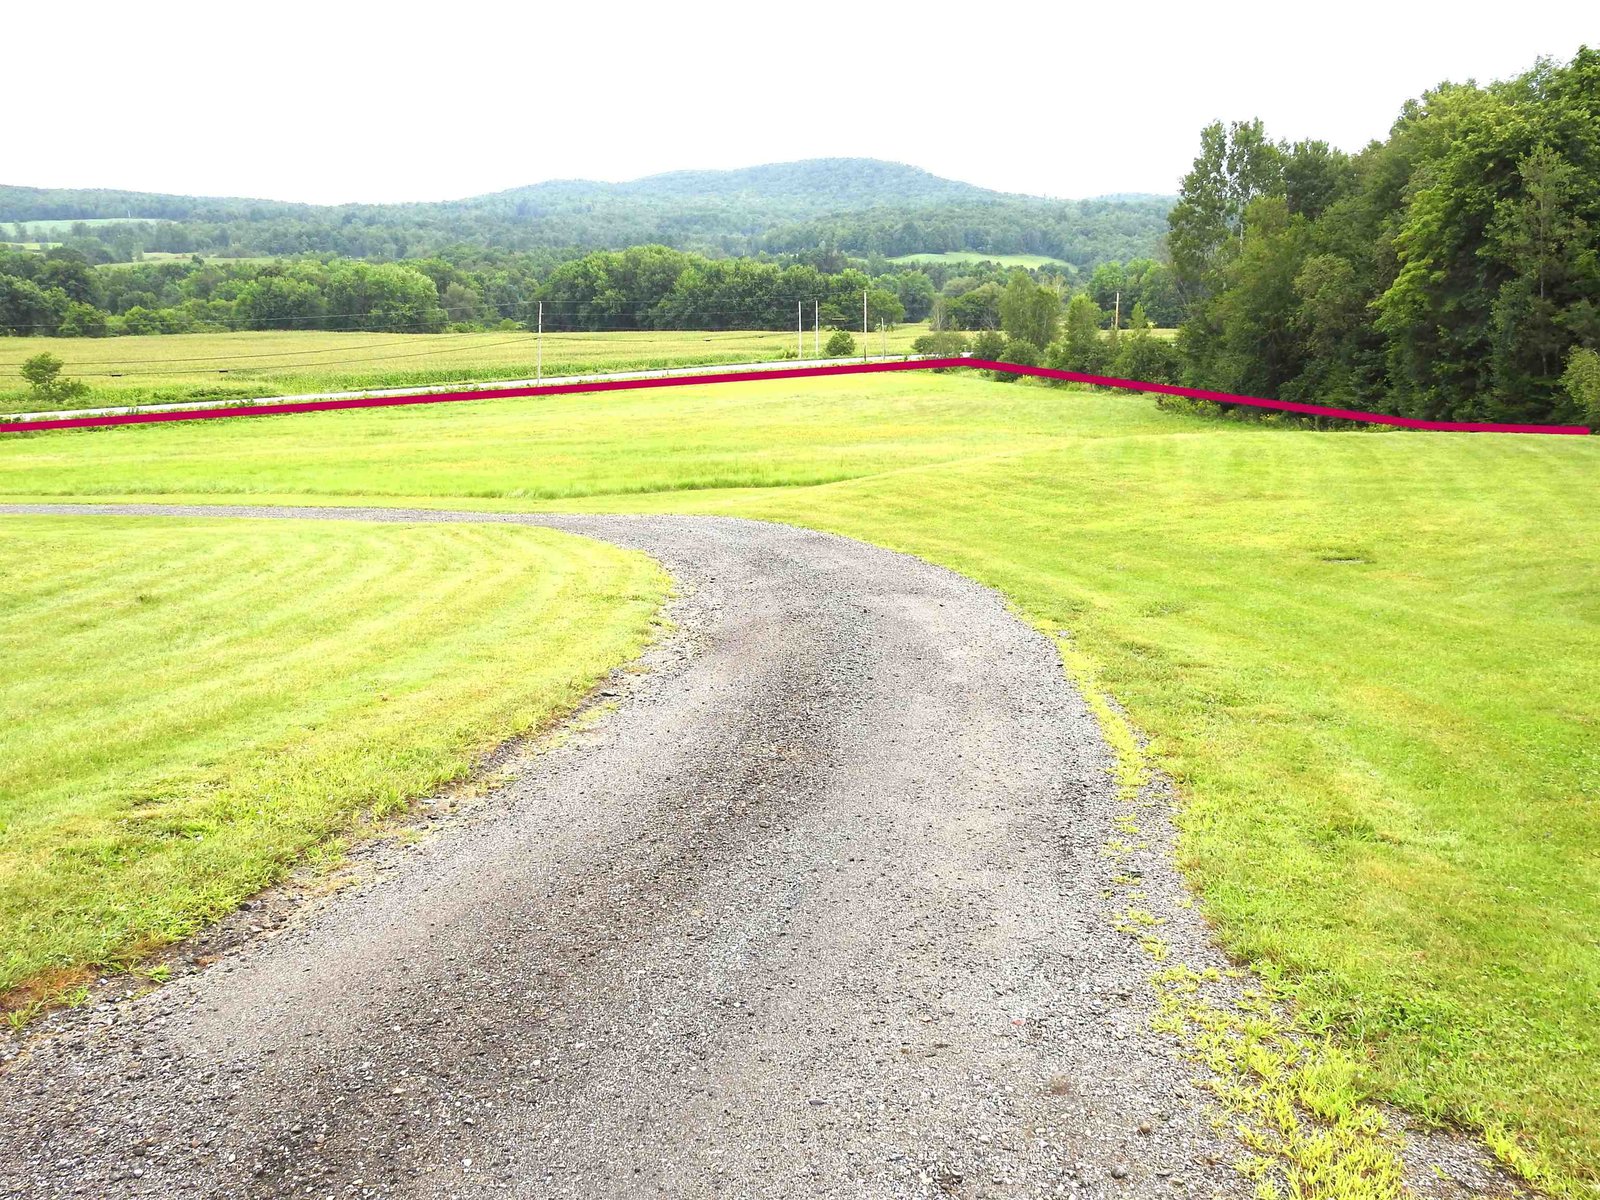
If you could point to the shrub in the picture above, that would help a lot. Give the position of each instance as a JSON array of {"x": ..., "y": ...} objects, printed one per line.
[
  {"x": 1023, "y": 352},
  {"x": 990, "y": 345},
  {"x": 1020, "y": 351},
  {"x": 1582, "y": 381},
  {"x": 43, "y": 373},
  {"x": 948, "y": 344},
  {"x": 840, "y": 344},
  {"x": 1190, "y": 408},
  {"x": 1146, "y": 358}
]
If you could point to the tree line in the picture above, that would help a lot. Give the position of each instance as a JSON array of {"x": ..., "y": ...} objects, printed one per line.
[
  {"x": 1448, "y": 272},
  {"x": 60, "y": 293},
  {"x": 1037, "y": 324},
  {"x": 970, "y": 298},
  {"x": 1082, "y": 232}
]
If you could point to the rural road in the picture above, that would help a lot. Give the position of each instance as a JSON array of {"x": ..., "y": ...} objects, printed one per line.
[{"x": 819, "y": 910}]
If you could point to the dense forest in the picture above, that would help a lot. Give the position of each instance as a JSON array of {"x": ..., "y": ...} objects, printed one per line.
[
  {"x": 859, "y": 206},
  {"x": 1083, "y": 233},
  {"x": 1451, "y": 271}
]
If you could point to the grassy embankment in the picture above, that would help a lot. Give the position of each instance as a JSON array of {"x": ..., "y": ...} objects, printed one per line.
[
  {"x": 235, "y": 366},
  {"x": 1369, "y": 660},
  {"x": 189, "y": 707}
]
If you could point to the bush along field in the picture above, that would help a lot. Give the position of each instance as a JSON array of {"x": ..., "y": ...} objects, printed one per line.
[{"x": 1369, "y": 660}]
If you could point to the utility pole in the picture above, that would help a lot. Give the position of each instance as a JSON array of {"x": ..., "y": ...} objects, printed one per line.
[
  {"x": 799, "y": 329},
  {"x": 864, "y": 351},
  {"x": 1116, "y": 314},
  {"x": 538, "y": 370},
  {"x": 816, "y": 330}
]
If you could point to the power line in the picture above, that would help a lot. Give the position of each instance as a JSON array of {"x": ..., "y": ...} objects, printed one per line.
[{"x": 497, "y": 307}]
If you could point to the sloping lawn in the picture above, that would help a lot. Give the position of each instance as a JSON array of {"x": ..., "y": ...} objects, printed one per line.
[{"x": 188, "y": 707}]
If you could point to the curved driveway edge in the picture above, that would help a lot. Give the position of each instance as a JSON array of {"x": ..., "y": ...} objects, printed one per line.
[{"x": 819, "y": 910}]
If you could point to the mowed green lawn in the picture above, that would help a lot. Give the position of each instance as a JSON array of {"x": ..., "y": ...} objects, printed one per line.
[
  {"x": 1371, "y": 660},
  {"x": 188, "y": 707},
  {"x": 175, "y": 368}
]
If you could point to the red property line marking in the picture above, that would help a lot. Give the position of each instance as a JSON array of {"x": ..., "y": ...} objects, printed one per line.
[{"x": 924, "y": 364}]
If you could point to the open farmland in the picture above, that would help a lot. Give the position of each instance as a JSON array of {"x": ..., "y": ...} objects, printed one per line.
[
  {"x": 158, "y": 369},
  {"x": 61, "y": 225},
  {"x": 1030, "y": 261}
]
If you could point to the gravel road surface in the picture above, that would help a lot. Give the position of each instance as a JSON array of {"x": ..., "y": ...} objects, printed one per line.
[{"x": 818, "y": 909}]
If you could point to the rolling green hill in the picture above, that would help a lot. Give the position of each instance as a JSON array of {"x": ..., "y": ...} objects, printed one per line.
[
  {"x": 794, "y": 189},
  {"x": 858, "y": 205}
]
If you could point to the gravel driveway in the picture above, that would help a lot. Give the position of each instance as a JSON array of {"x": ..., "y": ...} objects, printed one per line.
[{"x": 818, "y": 910}]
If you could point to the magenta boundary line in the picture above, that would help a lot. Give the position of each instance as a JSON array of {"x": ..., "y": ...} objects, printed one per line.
[{"x": 924, "y": 364}]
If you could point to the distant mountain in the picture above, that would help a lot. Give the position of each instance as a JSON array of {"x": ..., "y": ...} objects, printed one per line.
[
  {"x": 807, "y": 188},
  {"x": 857, "y": 205},
  {"x": 795, "y": 189}
]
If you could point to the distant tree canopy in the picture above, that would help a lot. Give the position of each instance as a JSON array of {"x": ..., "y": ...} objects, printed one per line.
[
  {"x": 1079, "y": 232},
  {"x": 58, "y": 294},
  {"x": 1450, "y": 272},
  {"x": 1118, "y": 287},
  {"x": 854, "y": 206}
]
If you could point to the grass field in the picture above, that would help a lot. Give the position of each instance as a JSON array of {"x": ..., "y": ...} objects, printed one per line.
[
  {"x": 189, "y": 707},
  {"x": 1370, "y": 660},
  {"x": 65, "y": 224},
  {"x": 158, "y": 256},
  {"x": 231, "y": 366},
  {"x": 953, "y": 257}
]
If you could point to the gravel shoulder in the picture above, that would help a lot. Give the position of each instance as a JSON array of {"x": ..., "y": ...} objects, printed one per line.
[{"x": 819, "y": 908}]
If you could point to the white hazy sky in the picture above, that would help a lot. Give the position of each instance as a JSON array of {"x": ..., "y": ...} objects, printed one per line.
[{"x": 330, "y": 102}]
